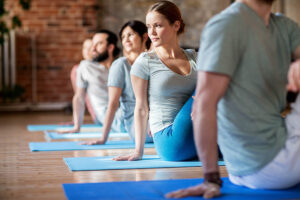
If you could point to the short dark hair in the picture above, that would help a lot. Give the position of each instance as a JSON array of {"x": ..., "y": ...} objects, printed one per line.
[
  {"x": 139, "y": 27},
  {"x": 170, "y": 11},
  {"x": 111, "y": 39}
]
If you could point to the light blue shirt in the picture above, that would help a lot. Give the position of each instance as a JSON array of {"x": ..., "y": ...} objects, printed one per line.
[
  {"x": 237, "y": 43},
  {"x": 119, "y": 76},
  {"x": 167, "y": 90}
]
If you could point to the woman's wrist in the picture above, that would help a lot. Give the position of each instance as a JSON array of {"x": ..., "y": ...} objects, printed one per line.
[{"x": 139, "y": 152}]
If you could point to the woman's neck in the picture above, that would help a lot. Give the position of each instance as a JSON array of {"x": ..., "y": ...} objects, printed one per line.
[
  {"x": 132, "y": 56},
  {"x": 168, "y": 51}
]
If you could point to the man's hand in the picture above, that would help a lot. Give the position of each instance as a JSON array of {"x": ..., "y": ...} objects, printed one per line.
[
  {"x": 101, "y": 141},
  {"x": 294, "y": 77},
  {"x": 207, "y": 190},
  {"x": 75, "y": 130},
  {"x": 131, "y": 157}
]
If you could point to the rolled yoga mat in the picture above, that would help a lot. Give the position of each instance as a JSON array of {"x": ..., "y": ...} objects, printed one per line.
[
  {"x": 106, "y": 163},
  {"x": 158, "y": 188}
]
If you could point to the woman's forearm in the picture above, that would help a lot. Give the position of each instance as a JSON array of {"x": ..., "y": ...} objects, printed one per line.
[
  {"x": 109, "y": 117},
  {"x": 140, "y": 124}
]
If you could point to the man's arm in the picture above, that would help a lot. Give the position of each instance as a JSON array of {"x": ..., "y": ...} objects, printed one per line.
[
  {"x": 210, "y": 89},
  {"x": 78, "y": 110}
]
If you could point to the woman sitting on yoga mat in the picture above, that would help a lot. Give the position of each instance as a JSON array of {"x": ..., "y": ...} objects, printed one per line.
[
  {"x": 163, "y": 82},
  {"x": 135, "y": 40}
]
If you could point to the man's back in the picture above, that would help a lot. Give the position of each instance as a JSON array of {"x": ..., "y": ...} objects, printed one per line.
[{"x": 257, "y": 58}]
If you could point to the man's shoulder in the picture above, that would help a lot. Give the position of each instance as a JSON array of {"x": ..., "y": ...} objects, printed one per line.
[
  {"x": 283, "y": 20},
  {"x": 86, "y": 63},
  {"x": 232, "y": 17},
  {"x": 228, "y": 19}
]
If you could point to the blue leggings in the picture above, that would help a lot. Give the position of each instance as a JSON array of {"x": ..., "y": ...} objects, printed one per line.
[{"x": 176, "y": 142}]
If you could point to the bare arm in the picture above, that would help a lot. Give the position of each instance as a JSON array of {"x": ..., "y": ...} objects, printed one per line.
[
  {"x": 78, "y": 110},
  {"x": 210, "y": 89},
  {"x": 141, "y": 112},
  {"x": 294, "y": 72},
  {"x": 114, "y": 94}
]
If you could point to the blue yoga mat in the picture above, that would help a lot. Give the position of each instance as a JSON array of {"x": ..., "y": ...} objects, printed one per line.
[
  {"x": 68, "y": 146},
  {"x": 106, "y": 163},
  {"x": 157, "y": 189},
  {"x": 47, "y": 127},
  {"x": 55, "y": 135}
]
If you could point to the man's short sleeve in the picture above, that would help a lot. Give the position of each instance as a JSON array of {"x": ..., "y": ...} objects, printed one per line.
[
  {"x": 80, "y": 81},
  {"x": 116, "y": 77},
  {"x": 220, "y": 46},
  {"x": 140, "y": 68}
]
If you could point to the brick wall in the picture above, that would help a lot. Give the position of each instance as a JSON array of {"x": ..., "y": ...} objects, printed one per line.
[{"x": 59, "y": 27}]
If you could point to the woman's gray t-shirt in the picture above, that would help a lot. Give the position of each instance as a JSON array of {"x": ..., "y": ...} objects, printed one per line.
[{"x": 167, "y": 90}]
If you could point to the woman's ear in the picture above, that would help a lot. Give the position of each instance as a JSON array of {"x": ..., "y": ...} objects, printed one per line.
[
  {"x": 176, "y": 25},
  {"x": 145, "y": 37}
]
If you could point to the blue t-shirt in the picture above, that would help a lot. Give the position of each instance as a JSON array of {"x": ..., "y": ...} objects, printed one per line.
[
  {"x": 119, "y": 76},
  {"x": 167, "y": 90},
  {"x": 237, "y": 43}
]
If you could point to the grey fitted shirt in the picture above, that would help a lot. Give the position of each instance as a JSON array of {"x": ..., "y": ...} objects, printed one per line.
[{"x": 167, "y": 90}]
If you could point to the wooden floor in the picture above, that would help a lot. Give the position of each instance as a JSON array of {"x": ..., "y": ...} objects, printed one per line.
[{"x": 39, "y": 175}]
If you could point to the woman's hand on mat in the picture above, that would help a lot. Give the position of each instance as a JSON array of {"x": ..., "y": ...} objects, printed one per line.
[
  {"x": 207, "y": 190},
  {"x": 130, "y": 157},
  {"x": 101, "y": 141}
]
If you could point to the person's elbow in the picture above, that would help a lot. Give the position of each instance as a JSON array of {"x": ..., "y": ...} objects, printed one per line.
[
  {"x": 78, "y": 99},
  {"x": 141, "y": 110}
]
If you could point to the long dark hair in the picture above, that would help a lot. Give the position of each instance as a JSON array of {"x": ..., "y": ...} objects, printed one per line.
[{"x": 138, "y": 27}]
